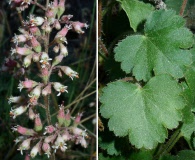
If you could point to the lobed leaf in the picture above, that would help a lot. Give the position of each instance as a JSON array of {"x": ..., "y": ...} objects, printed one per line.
[
  {"x": 162, "y": 49},
  {"x": 144, "y": 114},
  {"x": 136, "y": 11}
]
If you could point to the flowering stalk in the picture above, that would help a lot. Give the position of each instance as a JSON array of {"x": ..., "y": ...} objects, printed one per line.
[{"x": 32, "y": 46}]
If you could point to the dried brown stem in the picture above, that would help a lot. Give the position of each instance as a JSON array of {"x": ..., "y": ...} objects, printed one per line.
[{"x": 183, "y": 7}]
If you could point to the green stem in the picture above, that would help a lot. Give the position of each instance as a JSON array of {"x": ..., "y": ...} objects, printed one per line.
[{"x": 169, "y": 145}]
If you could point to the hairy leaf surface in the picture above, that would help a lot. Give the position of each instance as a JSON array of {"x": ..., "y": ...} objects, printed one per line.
[
  {"x": 136, "y": 11},
  {"x": 162, "y": 49},
  {"x": 144, "y": 114}
]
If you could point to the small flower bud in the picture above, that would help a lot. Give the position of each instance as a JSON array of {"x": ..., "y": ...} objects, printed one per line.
[
  {"x": 78, "y": 118},
  {"x": 35, "y": 149},
  {"x": 67, "y": 120},
  {"x": 36, "y": 57},
  {"x": 60, "y": 88},
  {"x": 18, "y": 111},
  {"x": 46, "y": 148},
  {"x": 31, "y": 114},
  {"x": 61, "y": 116},
  {"x": 57, "y": 60},
  {"x": 61, "y": 8},
  {"x": 47, "y": 90},
  {"x": 35, "y": 31},
  {"x": 27, "y": 61},
  {"x": 38, "y": 123},
  {"x": 24, "y": 131},
  {"x": 63, "y": 50},
  {"x": 25, "y": 145},
  {"x": 56, "y": 49},
  {"x": 36, "y": 45},
  {"x": 49, "y": 129},
  {"x": 44, "y": 74},
  {"x": 57, "y": 25}
]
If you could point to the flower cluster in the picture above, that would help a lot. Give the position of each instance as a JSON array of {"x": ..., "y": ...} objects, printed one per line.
[
  {"x": 54, "y": 137},
  {"x": 31, "y": 45}
]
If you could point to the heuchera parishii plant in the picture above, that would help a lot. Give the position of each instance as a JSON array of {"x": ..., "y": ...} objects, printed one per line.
[{"x": 32, "y": 46}]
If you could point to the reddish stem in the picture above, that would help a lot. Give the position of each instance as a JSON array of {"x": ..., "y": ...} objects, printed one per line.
[{"x": 183, "y": 7}]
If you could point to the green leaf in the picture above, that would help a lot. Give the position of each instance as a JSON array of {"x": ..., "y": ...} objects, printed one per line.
[
  {"x": 186, "y": 155},
  {"x": 144, "y": 114},
  {"x": 136, "y": 11},
  {"x": 104, "y": 157},
  {"x": 161, "y": 49},
  {"x": 142, "y": 155},
  {"x": 112, "y": 144}
]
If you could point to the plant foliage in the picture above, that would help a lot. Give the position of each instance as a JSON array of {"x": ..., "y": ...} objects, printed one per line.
[{"x": 153, "y": 106}]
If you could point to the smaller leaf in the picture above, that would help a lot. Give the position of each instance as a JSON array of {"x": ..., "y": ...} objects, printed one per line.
[{"x": 142, "y": 155}]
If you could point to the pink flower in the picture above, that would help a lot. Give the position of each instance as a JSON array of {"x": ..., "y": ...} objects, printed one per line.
[
  {"x": 18, "y": 111},
  {"x": 22, "y": 51},
  {"x": 31, "y": 114},
  {"x": 67, "y": 120},
  {"x": 61, "y": 116},
  {"x": 66, "y": 18},
  {"x": 69, "y": 72},
  {"x": 27, "y": 60},
  {"x": 78, "y": 26},
  {"x": 59, "y": 143},
  {"x": 66, "y": 136},
  {"x": 61, "y": 8},
  {"x": 63, "y": 50},
  {"x": 24, "y": 131},
  {"x": 60, "y": 88},
  {"x": 19, "y": 38},
  {"x": 36, "y": 57},
  {"x": 46, "y": 148},
  {"x": 57, "y": 24},
  {"x": 49, "y": 139},
  {"x": 57, "y": 60},
  {"x": 38, "y": 124},
  {"x": 49, "y": 129},
  {"x": 78, "y": 118},
  {"x": 63, "y": 32},
  {"x": 35, "y": 30},
  {"x": 47, "y": 90},
  {"x": 35, "y": 149},
  {"x": 36, "y": 45},
  {"x": 27, "y": 84},
  {"x": 15, "y": 99},
  {"x": 25, "y": 145}
]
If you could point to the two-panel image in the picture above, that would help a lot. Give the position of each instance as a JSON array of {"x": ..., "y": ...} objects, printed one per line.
[{"x": 97, "y": 80}]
